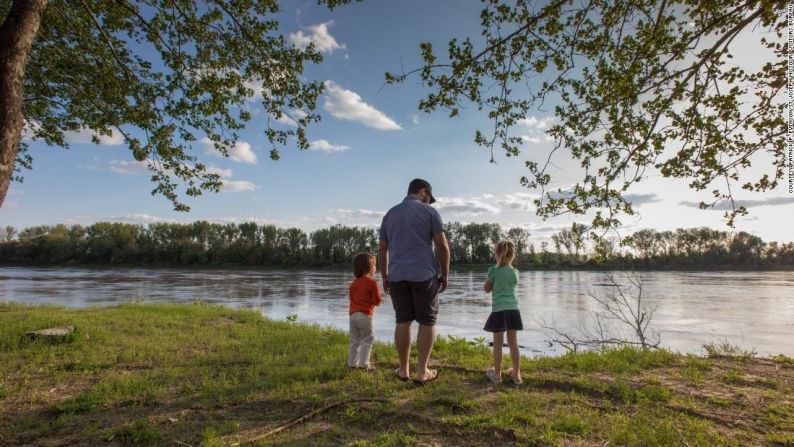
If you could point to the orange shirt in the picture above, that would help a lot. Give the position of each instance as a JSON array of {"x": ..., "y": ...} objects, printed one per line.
[{"x": 364, "y": 295}]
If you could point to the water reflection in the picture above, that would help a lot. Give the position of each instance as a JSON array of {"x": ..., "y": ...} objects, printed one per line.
[{"x": 755, "y": 310}]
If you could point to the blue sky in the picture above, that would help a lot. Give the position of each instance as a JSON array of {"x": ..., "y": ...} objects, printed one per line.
[{"x": 371, "y": 142}]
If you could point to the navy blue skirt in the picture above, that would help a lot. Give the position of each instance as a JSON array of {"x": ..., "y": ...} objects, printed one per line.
[{"x": 504, "y": 320}]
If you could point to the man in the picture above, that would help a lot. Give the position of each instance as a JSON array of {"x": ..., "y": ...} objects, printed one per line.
[{"x": 410, "y": 273}]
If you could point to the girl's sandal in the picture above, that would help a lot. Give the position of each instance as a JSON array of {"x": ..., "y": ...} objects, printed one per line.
[
  {"x": 517, "y": 382},
  {"x": 490, "y": 373}
]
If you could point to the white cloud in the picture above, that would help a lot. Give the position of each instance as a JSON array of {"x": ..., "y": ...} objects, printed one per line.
[
  {"x": 135, "y": 218},
  {"x": 641, "y": 199},
  {"x": 530, "y": 139},
  {"x": 241, "y": 152},
  {"x": 748, "y": 203},
  {"x": 76, "y": 136},
  {"x": 141, "y": 168},
  {"x": 257, "y": 87},
  {"x": 323, "y": 41},
  {"x": 415, "y": 119},
  {"x": 347, "y": 105},
  {"x": 238, "y": 186},
  {"x": 518, "y": 201},
  {"x": 126, "y": 167},
  {"x": 86, "y": 135},
  {"x": 463, "y": 206},
  {"x": 358, "y": 214},
  {"x": 325, "y": 146},
  {"x": 224, "y": 173},
  {"x": 290, "y": 119},
  {"x": 534, "y": 123},
  {"x": 29, "y": 128}
]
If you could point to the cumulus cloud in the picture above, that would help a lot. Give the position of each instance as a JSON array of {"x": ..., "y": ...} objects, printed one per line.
[
  {"x": 325, "y": 146},
  {"x": 641, "y": 199},
  {"x": 29, "y": 128},
  {"x": 238, "y": 186},
  {"x": 358, "y": 214},
  {"x": 750, "y": 203},
  {"x": 135, "y": 218},
  {"x": 142, "y": 168},
  {"x": 465, "y": 206},
  {"x": 86, "y": 136},
  {"x": 535, "y": 129},
  {"x": 291, "y": 118},
  {"x": 318, "y": 35},
  {"x": 126, "y": 167},
  {"x": 241, "y": 152},
  {"x": 224, "y": 173},
  {"x": 518, "y": 201},
  {"x": 347, "y": 105},
  {"x": 534, "y": 123}
]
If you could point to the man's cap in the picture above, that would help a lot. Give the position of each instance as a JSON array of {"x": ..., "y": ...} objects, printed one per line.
[{"x": 417, "y": 184}]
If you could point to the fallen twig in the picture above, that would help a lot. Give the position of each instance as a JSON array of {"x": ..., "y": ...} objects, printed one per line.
[{"x": 308, "y": 416}]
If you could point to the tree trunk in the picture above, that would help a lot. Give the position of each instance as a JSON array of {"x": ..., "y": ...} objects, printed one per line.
[{"x": 16, "y": 37}]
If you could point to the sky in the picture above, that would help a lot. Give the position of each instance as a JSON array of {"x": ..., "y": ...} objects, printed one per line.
[{"x": 371, "y": 142}]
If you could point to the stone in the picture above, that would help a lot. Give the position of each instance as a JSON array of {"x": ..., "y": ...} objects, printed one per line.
[{"x": 53, "y": 332}]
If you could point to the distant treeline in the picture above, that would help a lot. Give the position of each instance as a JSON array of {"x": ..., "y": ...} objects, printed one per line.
[{"x": 205, "y": 243}]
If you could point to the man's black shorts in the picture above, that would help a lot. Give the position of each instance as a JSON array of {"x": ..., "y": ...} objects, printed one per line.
[{"x": 415, "y": 301}]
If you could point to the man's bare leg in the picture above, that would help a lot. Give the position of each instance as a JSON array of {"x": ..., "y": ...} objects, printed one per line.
[
  {"x": 424, "y": 346},
  {"x": 402, "y": 340}
]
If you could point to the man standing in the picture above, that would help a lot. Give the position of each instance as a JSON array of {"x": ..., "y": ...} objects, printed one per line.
[{"x": 410, "y": 273}]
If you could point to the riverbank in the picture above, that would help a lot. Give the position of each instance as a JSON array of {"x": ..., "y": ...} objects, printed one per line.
[{"x": 203, "y": 375}]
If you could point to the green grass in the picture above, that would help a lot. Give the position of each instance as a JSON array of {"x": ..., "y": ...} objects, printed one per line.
[
  {"x": 724, "y": 349},
  {"x": 204, "y": 375}
]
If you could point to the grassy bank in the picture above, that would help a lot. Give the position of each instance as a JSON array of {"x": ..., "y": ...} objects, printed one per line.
[{"x": 200, "y": 375}]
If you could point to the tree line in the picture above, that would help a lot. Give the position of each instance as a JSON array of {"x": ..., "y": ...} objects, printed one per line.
[{"x": 205, "y": 243}]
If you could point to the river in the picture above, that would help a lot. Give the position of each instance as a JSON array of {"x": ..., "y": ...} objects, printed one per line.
[{"x": 754, "y": 310}]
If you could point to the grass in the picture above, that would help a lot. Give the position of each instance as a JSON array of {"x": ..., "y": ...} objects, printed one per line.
[
  {"x": 203, "y": 375},
  {"x": 724, "y": 349}
]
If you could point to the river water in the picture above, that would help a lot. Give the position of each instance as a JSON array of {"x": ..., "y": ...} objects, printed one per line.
[{"x": 754, "y": 310}]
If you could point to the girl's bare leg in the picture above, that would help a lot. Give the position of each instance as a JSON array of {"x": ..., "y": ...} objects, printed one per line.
[
  {"x": 498, "y": 340},
  {"x": 515, "y": 354}
]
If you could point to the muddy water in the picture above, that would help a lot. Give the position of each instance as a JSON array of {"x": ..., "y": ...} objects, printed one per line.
[{"x": 752, "y": 309}]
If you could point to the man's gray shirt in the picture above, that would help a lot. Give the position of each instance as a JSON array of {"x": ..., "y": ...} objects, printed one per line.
[{"x": 408, "y": 228}]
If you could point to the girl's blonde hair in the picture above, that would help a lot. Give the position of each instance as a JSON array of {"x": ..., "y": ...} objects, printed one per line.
[{"x": 505, "y": 252}]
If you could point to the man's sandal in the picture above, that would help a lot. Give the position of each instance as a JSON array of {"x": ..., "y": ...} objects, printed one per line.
[
  {"x": 431, "y": 375},
  {"x": 397, "y": 373},
  {"x": 517, "y": 382}
]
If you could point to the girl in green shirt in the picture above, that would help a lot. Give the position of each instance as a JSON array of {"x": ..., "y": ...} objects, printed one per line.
[{"x": 505, "y": 317}]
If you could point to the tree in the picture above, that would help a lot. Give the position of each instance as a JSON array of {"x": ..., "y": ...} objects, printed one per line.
[
  {"x": 519, "y": 236},
  {"x": 162, "y": 75},
  {"x": 635, "y": 86},
  {"x": 7, "y": 233}
]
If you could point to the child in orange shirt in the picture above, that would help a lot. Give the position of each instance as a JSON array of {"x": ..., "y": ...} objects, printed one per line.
[{"x": 364, "y": 296}]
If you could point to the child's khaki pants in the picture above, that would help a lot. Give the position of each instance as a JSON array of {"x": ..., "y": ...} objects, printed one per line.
[{"x": 360, "y": 340}]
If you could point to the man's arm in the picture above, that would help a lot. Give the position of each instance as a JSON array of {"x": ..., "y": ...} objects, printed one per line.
[
  {"x": 383, "y": 265},
  {"x": 442, "y": 251}
]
